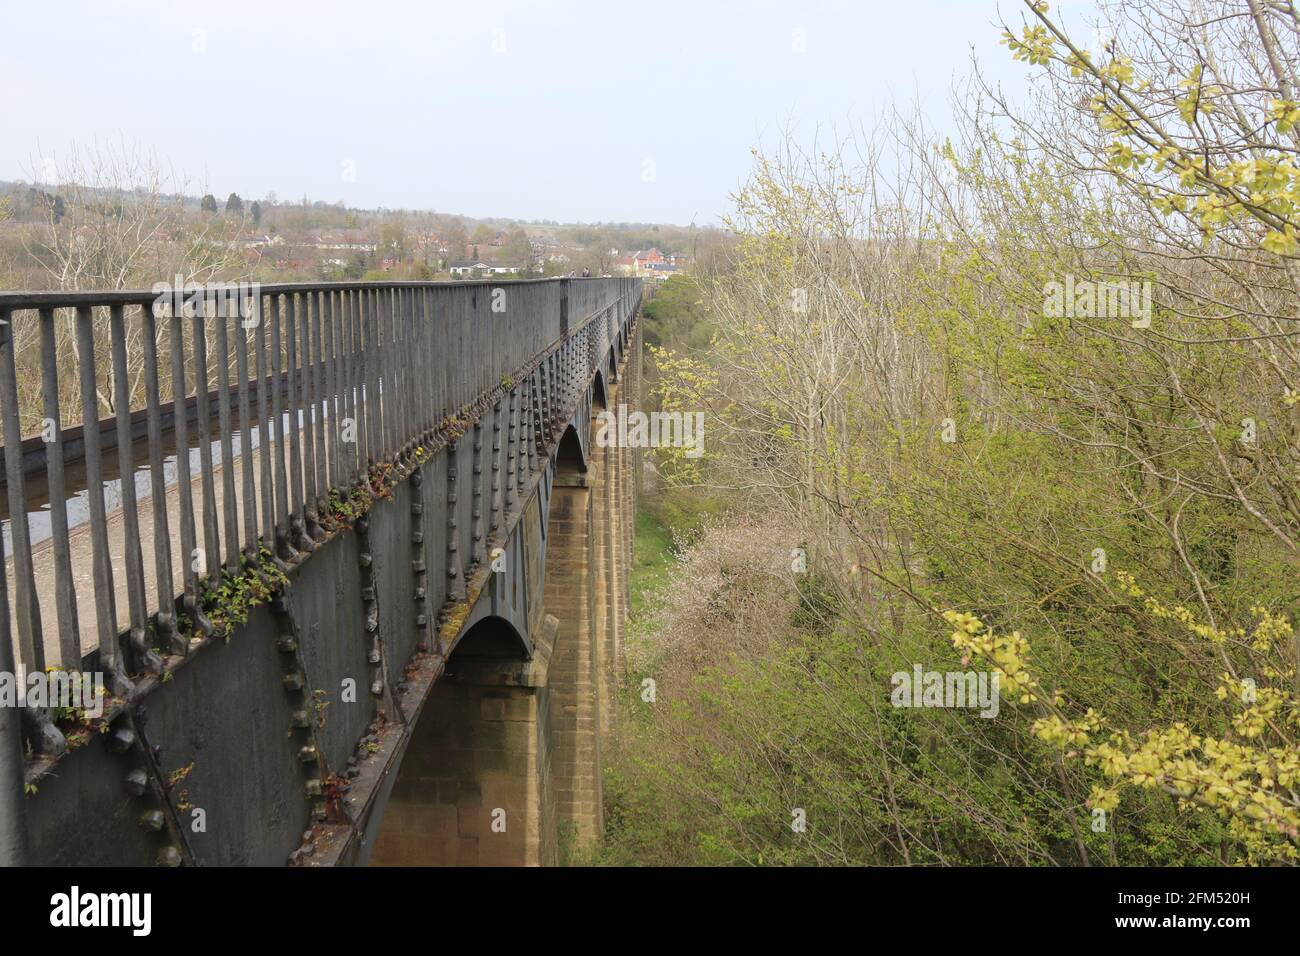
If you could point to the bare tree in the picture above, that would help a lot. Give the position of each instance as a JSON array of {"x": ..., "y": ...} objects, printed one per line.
[{"x": 122, "y": 224}]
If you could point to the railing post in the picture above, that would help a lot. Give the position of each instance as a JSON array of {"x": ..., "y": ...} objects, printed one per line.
[
  {"x": 281, "y": 380},
  {"x": 229, "y": 496},
  {"x": 348, "y": 363},
  {"x": 313, "y": 446},
  {"x": 360, "y": 313},
  {"x": 427, "y": 364},
  {"x": 162, "y": 540},
  {"x": 26, "y": 605},
  {"x": 296, "y": 404},
  {"x": 370, "y": 370},
  {"x": 407, "y": 387},
  {"x": 385, "y": 390},
  {"x": 248, "y": 484},
  {"x": 110, "y": 656},
  {"x": 65, "y": 596},
  {"x": 333, "y": 399},
  {"x": 264, "y": 443},
  {"x": 320, "y": 468},
  {"x": 136, "y": 603},
  {"x": 13, "y": 795},
  {"x": 211, "y": 537}
]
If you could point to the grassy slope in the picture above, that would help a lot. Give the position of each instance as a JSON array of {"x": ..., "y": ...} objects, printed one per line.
[{"x": 654, "y": 542}]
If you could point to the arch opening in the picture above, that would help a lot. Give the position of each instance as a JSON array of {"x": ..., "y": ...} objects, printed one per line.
[
  {"x": 491, "y": 639},
  {"x": 569, "y": 457},
  {"x": 469, "y": 790}
]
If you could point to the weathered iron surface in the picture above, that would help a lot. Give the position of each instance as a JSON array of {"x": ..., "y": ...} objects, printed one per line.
[{"x": 405, "y": 433}]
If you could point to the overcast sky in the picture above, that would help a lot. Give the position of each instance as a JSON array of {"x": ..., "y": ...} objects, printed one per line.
[{"x": 573, "y": 111}]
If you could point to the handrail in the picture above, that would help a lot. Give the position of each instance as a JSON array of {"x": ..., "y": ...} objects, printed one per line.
[{"x": 71, "y": 299}]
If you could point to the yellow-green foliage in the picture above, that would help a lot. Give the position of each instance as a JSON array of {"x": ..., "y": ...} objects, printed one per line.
[
  {"x": 1111, "y": 504},
  {"x": 1244, "y": 766}
]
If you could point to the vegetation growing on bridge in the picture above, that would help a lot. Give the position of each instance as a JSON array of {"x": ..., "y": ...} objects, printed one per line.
[{"x": 228, "y": 602}]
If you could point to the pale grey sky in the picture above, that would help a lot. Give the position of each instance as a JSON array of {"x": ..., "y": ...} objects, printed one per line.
[{"x": 578, "y": 110}]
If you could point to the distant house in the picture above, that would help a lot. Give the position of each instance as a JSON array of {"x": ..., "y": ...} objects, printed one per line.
[
  {"x": 258, "y": 240},
  {"x": 650, "y": 262},
  {"x": 650, "y": 259},
  {"x": 479, "y": 268},
  {"x": 253, "y": 241},
  {"x": 349, "y": 239}
]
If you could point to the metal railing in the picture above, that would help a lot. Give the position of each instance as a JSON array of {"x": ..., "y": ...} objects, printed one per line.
[{"x": 236, "y": 425}]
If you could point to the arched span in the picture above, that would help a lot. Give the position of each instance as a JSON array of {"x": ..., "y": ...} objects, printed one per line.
[
  {"x": 598, "y": 400},
  {"x": 492, "y": 638},
  {"x": 569, "y": 457}
]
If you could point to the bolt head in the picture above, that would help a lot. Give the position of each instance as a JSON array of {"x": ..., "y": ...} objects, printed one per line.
[
  {"x": 169, "y": 856},
  {"x": 137, "y": 782}
]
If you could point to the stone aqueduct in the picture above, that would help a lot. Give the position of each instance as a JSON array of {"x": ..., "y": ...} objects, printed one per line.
[{"x": 429, "y": 673}]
